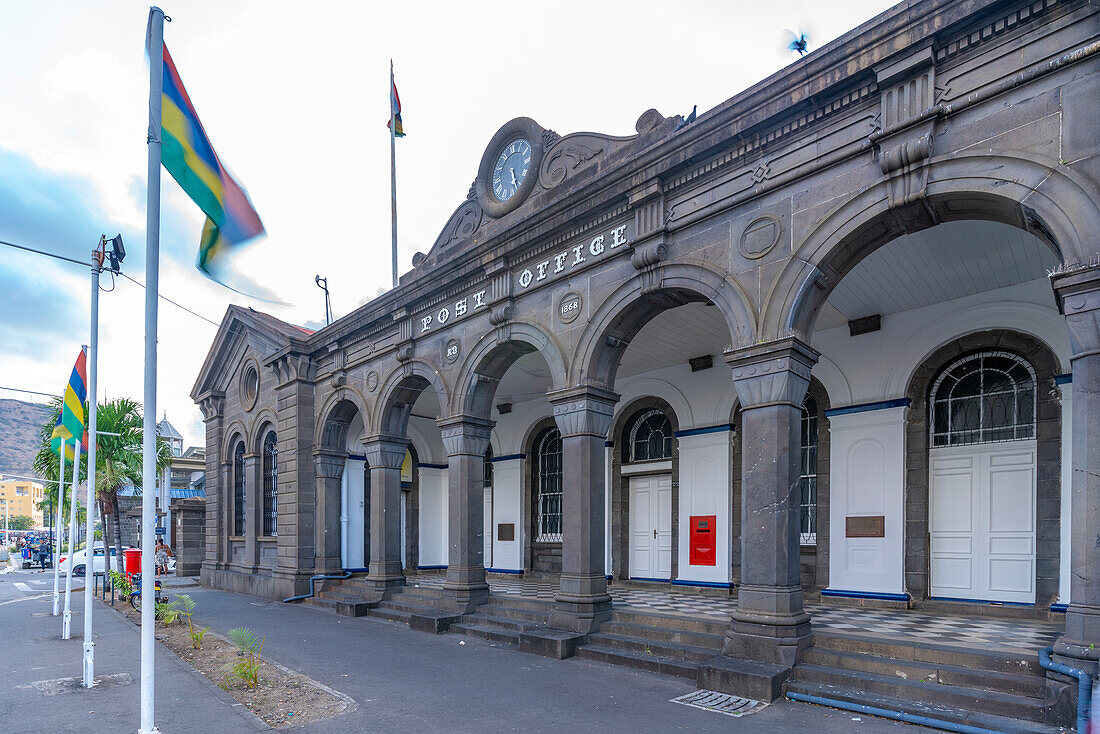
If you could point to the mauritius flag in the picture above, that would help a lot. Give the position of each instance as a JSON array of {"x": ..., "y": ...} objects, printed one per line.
[
  {"x": 71, "y": 420},
  {"x": 187, "y": 154},
  {"x": 395, "y": 108}
]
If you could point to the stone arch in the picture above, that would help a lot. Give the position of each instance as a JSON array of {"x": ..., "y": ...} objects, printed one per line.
[
  {"x": 493, "y": 355},
  {"x": 338, "y": 406},
  {"x": 260, "y": 423},
  {"x": 234, "y": 432},
  {"x": 630, "y": 307},
  {"x": 401, "y": 390},
  {"x": 1035, "y": 195},
  {"x": 681, "y": 413},
  {"x": 1048, "y": 435}
]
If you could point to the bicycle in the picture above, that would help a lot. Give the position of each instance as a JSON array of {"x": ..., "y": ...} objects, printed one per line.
[{"x": 135, "y": 595}]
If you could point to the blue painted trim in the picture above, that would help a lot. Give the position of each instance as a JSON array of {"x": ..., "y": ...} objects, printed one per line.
[
  {"x": 609, "y": 444},
  {"x": 643, "y": 578},
  {"x": 720, "y": 428},
  {"x": 706, "y": 584},
  {"x": 865, "y": 595},
  {"x": 1063, "y": 379},
  {"x": 505, "y": 570},
  {"x": 431, "y": 466},
  {"x": 1058, "y": 608},
  {"x": 982, "y": 601},
  {"x": 357, "y": 457},
  {"x": 430, "y": 568},
  {"x": 507, "y": 457},
  {"x": 866, "y": 407},
  {"x": 609, "y": 577},
  {"x": 356, "y": 570}
]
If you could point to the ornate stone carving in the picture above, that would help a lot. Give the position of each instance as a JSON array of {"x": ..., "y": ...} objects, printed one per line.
[
  {"x": 649, "y": 120},
  {"x": 773, "y": 372},
  {"x": 584, "y": 411},
  {"x": 372, "y": 381},
  {"x": 648, "y": 254},
  {"x": 571, "y": 152},
  {"x": 404, "y": 354},
  {"x": 418, "y": 257},
  {"x": 464, "y": 222},
  {"x": 762, "y": 171},
  {"x": 760, "y": 236},
  {"x": 464, "y": 434},
  {"x": 212, "y": 406},
  {"x": 905, "y": 165},
  {"x": 500, "y": 313},
  {"x": 385, "y": 451},
  {"x": 549, "y": 137},
  {"x": 292, "y": 366},
  {"x": 328, "y": 464},
  {"x": 1078, "y": 291}
]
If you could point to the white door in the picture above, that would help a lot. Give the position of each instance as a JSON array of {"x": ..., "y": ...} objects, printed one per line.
[
  {"x": 404, "y": 504},
  {"x": 651, "y": 527},
  {"x": 982, "y": 521},
  {"x": 487, "y": 558}
]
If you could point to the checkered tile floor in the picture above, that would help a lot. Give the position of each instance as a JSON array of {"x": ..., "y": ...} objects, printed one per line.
[{"x": 989, "y": 632}]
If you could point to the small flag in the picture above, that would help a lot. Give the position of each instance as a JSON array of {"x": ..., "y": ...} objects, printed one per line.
[
  {"x": 71, "y": 420},
  {"x": 395, "y": 108},
  {"x": 187, "y": 154}
]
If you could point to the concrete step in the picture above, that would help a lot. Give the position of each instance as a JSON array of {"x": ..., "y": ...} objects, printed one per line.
[
  {"x": 648, "y": 647},
  {"x": 670, "y": 621},
  {"x": 1025, "y": 708},
  {"x": 639, "y": 660},
  {"x": 933, "y": 652},
  {"x": 314, "y": 601},
  {"x": 1022, "y": 683},
  {"x": 486, "y": 632},
  {"x": 516, "y": 602},
  {"x": 664, "y": 634},
  {"x": 936, "y": 711},
  {"x": 526, "y": 615},
  {"x": 482, "y": 619}
]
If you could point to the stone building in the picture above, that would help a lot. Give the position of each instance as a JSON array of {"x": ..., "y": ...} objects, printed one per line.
[{"x": 838, "y": 339}]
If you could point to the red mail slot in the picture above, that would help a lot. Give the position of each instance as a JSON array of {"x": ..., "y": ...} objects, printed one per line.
[{"x": 704, "y": 540}]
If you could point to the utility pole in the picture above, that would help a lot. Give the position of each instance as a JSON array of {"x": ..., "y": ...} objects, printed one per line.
[{"x": 89, "y": 515}]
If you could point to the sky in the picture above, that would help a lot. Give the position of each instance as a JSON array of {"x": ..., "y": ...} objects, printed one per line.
[{"x": 294, "y": 97}]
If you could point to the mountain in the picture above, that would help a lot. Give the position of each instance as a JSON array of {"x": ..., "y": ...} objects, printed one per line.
[{"x": 19, "y": 423}]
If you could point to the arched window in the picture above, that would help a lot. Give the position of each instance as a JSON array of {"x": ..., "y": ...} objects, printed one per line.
[
  {"x": 983, "y": 398},
  {"x": 548, "y": 485},
  {"x": 489, "y": 467},
  {"x": 271, "y": 485},
  {"x": 238, "y": 489},
  {"x": 807, "y": 479},
  {"x": 649, "y": 437}
]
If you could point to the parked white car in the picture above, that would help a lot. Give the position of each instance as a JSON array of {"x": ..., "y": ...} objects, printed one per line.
[{"x": 80, "y": 559}]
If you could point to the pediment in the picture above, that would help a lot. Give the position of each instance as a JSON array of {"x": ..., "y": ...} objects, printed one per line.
[{"x": 241, "y": 329}]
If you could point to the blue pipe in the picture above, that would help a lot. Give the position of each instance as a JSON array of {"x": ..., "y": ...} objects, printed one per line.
[
  {"x": 887, "y": 714},
  {"x": 1084, "y": 686},
  {"x": 313, "y": 579}
]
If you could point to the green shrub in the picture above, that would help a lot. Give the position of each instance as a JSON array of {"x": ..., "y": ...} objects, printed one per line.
[
  {"x": 189, "y": 609},
  {"x": 247, "y": 665},
  {"x": 167, "y": 612},
  {"x": 120, "y": 582}
]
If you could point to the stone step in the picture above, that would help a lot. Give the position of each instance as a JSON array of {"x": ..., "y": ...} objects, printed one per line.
[
  {"x": 670, "y": 621},
  {"x": 1022, "y": 683},
  {"x": 411, "y": 606},
  {"x": 640, "y": 660},
  {"x": 314, "y": 601},
  {"x": 936, "y": 711},
  {"x": 1025, "y": 708},
  {"x": 665, "y": 634},
  {"x": 482, "y": 619},
  {"x": 518, "y": 602},
  {"x": 485, "y": 632},
  {"x": 933, "y": 652},
  {"x": 340, "y": 595},
  {"x": 648, "y": 647},
  {"x": 389, "y": 615},
  {"x": 527, "y": 615}
]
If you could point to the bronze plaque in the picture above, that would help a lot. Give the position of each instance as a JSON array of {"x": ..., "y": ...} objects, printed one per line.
[
  {"x": 506, "y": 531},
  {"x": 869, "y": 526}
]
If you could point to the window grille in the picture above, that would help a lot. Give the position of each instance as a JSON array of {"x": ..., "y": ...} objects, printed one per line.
[
  {"x": 807, "y": 480},
  {"x": 238, "y": 490},
  {"x": 271, "y": 485},
  {"x": 983, "y": 398},
  {"x": 650, "y": 437},
  {"x": 548, "y": 474}
]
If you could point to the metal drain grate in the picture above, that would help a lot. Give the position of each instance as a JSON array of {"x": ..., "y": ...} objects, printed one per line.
[{"x": 722, "y": 703}]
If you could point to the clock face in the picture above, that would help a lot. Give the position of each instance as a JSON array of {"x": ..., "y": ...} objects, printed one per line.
[{"x": 510, "y": 170}]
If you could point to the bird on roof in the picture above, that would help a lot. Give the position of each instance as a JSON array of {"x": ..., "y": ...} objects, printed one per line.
[
  {"x": 798, "y": 43},
  {"x": 690, "y": 118}
]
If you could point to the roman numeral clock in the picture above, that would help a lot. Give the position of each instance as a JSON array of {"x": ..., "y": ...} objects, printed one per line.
[{"x": 510, "y": 166}]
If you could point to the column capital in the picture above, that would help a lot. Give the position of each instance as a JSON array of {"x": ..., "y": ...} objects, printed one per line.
[
  {"x": 773, "y": 372},
  {"x": 385, "y": 451},
  {"x": 586, "y": 410},
  {"x": 465, "y": 434},
  {"x": 1077, "y": 291},
  {"x": 328, "y": 464}
]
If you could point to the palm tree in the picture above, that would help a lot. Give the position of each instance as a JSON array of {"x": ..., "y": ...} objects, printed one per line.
[{"x": 118, "y": 458}]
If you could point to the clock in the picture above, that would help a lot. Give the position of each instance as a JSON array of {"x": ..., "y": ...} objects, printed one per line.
[{"x": 511, "y": 169}]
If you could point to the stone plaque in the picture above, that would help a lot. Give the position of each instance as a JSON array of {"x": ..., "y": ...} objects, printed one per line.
[
  {"x": 451, "y": 351},
  {"x": 506, "y": 531},
  {"x": 372, "y": 381},
  {"x": 869, "y": 526},
  {"x": 760, "y": 237},
  {"x": 569, "y": 307}
]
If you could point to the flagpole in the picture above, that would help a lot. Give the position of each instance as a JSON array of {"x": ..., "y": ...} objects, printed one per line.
[
  {"x": 60, "y": 504},
  {"x": 89, "y": 517},
  {"x": 393, "y": 178},
  {"x": 66, "y": 621},
  {"x": 149, "y": 426}
]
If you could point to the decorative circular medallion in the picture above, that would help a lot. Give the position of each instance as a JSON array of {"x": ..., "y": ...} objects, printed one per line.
[
  {"x": 451, "y": 351},
  {"x": 509, "y": 167},
  {"x": 760, "y": 237},
  {"x": 250, "y": 386},
  {"x": 569, "y": 307},
  {"x": 372, "y": 381}
]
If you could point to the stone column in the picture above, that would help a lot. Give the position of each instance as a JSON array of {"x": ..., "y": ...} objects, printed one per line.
[
  {"x": 252, "y": 481},
  {"x": 584, "y": 417},
  {"x": 384, "y": 455},
  {"x": 328, "y": 470},
  {"x": 465, "y": 438},
  {"x": 1078, "y": 294},
  {"x": 770, "y": 629}
]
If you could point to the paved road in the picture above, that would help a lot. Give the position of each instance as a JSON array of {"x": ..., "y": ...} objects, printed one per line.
[{"x": 407, "y": 681}]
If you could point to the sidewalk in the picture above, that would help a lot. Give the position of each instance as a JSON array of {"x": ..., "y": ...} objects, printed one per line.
[{"x": 35, "y": 658}]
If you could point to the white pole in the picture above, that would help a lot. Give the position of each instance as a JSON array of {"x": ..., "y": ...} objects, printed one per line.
[
  {"x": 60, "y": 504},
  {"x": 149, "y": 428},
  {"x": 393, "y": 177},
  {"x": 89, "y": 502},
  {"x": 89, "y": 567}
]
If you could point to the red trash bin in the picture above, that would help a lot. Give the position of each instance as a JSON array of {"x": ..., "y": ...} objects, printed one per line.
[{"x": 132, "y": 561}]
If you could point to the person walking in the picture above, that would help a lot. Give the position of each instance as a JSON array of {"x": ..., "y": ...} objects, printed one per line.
[{"x": 162, "y": 553}]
